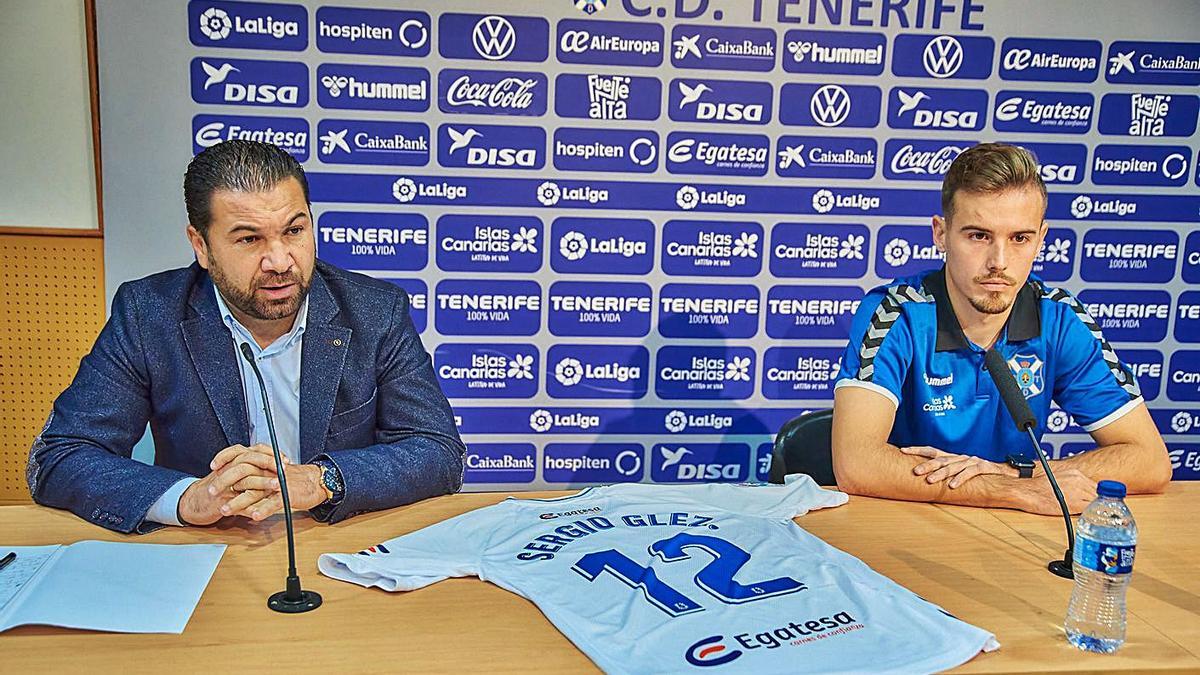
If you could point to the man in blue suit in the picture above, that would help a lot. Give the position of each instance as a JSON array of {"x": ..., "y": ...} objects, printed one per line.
[{"x": 359, "y": 415}]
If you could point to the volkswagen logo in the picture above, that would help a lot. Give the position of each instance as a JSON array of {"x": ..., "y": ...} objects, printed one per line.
[
  {"x": 830, "y": 105},
  {"x": 943, "y": 56},
  {"x": 494, "y": 37}
]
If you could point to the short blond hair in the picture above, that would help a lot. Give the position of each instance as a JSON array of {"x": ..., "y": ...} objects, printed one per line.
[{"x": 991, "y": 168}]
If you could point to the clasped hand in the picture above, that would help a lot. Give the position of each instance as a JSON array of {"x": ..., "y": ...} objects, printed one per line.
[{"x": 242, "y": 482}]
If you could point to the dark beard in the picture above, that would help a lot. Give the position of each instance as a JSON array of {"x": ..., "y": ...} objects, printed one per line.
[
  {"x": 992, "y": 303},
  {"x": 248, "y": 302}
]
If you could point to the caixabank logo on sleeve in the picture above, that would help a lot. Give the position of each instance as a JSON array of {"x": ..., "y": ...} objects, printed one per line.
[
  {"x": 1147, "y": 366},
  {"x": 720, "y": 101},
  {"x": 706, "y": 311},
  {"x": 829, "y": 105},
  {"x": 822, "y": 157},
  {"x": 492, "y": 92},
  {"x": 491, "y": 37},
  {"x": 820, "y": 251},
  {"x": 1149, "y": 115},
  {"x": 1044, "y": 112},
  {"x": 278, "y": 84},
  {"x": 918, "y": 159},
  {"x": 600, "y": 309},
  {"x": 1059, "y": 163},
  {"x": 483, "y": 243},
  {"x": 247, "y": 25},
  {"x": 1146, "y": 256},
  {"x": 592, "y": 462},
  {"x": 1184, "y": 382},
  {"x": 943, "y": 56},
  {"x": 617, "y": 43},
  {"x": 699, "y": 463},
  {"x": 598, "y": 371},
  {"x": 500, "y": 463},
  {"x": 1187, "y": 317},
  {"x": 372, "y": 142},
  {"x": 1055, "y": 260},
  {"x": 1153, "y": 63},
  {"x": 373, "y": 241},
  {"x": 712, "y": 248},
  {"x": 1151, "y": 165},
  {"x": 385, "y": 32},
  {"x": 834, "y": 52},
  {"x": 937, "y": 108},
  {"x": 902, "y": 250},
  {"x": 602, "y": 96},
  {"x": 390, "y": 88},
  {"x": 490, "y": 146},
  {"x": 718, "y": 154},
  {"x": 488, "y": 307},
  {"x": 723, "y": 48},
  {"x": 1129, "y": 316},
  {"x": 688, "y": 372},
  {"x": 621, "y": 150},
  {"x": 800, "y": 372},
  {"x": 291, "y": 134},
  {"x": 1042, "y": 60},
  {"x": 602, "y": 245},
  {"x": 417, "y": 300},
  {"x": 487, "y": 370},
  {"x": 811, "y": 312}
]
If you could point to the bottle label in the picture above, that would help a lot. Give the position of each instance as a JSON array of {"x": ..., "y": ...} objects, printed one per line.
[{"x": 1106, "y": 558}]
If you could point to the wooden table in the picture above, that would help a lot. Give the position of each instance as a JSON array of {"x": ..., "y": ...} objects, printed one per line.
[{"x": 985, "y": 566}]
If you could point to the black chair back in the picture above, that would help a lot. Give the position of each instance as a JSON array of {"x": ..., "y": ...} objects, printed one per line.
[{"x": 803, "y": 445}]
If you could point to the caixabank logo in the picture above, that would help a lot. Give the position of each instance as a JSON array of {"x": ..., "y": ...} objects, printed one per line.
[
  {"x": 823, "y": 157},
  {"x": 372, "y": 142},
  {"x": 809, "y": 250},
  {"x": 712, "y": 248},
  {"x": 811, "y": 312},
  {"x": 918, "y": 159},
  {"x": 1044, "y": 112},
  {"x": 1187, "y": 317},
  {"x": 418, "y": 295},
  {"x": 699, "y": 463},
  {"x": 483, "y": 243},
  {"x": 383, "y": 32},
  {"x": 1059, "y": 163},
  {"x": 619, "y": 150},
  {"x": 937, "y": 108},
  {"x": 603, "y": 96},
  {"x": 707, "y": 311},
  {"x": 1044, "y": 60},
  {"x": 1129, "y": 316},
  {"x": 1150, "y": 165},
  {"x": 901, "y": 250},
  {"x": 500, "y": 463},
  {"x": 492, "y": 92},
  {"x": 276, "y": 84},
  {"x": 598, "y": 371},
  {"x": 247, "y": 25},
  {"x": 1184, "y": 379},
  {"x": 592, "y": 462},
  {"x": 943, "y": 57},
  {"x": 792, "y": 373},
  {"x": 720, "y": 101},
  {"x": 834, "y": 52},
  {"x": 602, "y": 245},
  {"x": 1056, "y": 259},
  {"x": 690, "y": 372},
  {"x": 1147, "y": 366},
  {"x": 723, "y": 48},
  {"x": 616, "y": 43},
  {"x": 291, "y": 134},
  {"x": 1149, "y": 115},
  {"x": 1153, "y": 63},
  {"x": 492, "y": 37},
  {"x": 1142, "y": 256},
  {"x": 388, "y": 88},
  {"x": 829, "y": 105},
  {"x": 373, "y": 241},
  {"x": 491, "y": 307},
  {"x": 600, "y": 309},
  {"x": 718, "y": 154},
  {"x": 487, "y": 370},
  {"x": 491, "y": 146}
]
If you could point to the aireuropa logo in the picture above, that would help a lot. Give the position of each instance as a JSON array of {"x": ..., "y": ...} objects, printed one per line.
[
  {"x": 1187, "y": 317},
  {"x": 915, "y": 159},
  {"x": 1042, "y": 60},
  {"x": 1110, "y": 208},
  {"x": 903, "y": 250},
  {"x": 1147, "y": 366},
  {"x": 822, "y": 157},
  {"x": 1184, "y": 379},
  {"x": 599, "y": 96},
  {"x": 834, "y": 52},
  {"x": 418, "y": 295},
  {"x": 371, "y": 142},
  {"x": 725, "y": 101},
  {"x": 688, "y": 197},
  {"x": 706, "y": 311},
  {"x": 1119, "y": 255},
  {"x": 800, "y": 373},
  {"x": 1149, "y": 115},
  {"x": 247, "y": 25},
  {"x": 820, "y": 251},
  {"x": 711, "y": 651},
  {"x": 488, "y": 146},
  {"x": 291, "y": 134},
  {"x": 618, "y": 43},
  {"x": 483, "y": 243},
  {"x": 705, "y": 373},
  {"x": 1153, "y": 165},
  {"x": 600, "y": 309},
  {"x": 598, "y": 371},
  {"x": 405, "y": 190},
  {"x": 385, "y": 32},
  {"x": 811, "y": 312},
  {"x": 1044, "y": 112},
  {"x": 712, "y": 248},
  {"x": 487, "y": 370},
  {"x": 700, "y": 463},
  {"x": 389, "y": 88},
  {"x": 718, "y": 154},
  {"x": 626, "y": 151},
  {"x": 1191, "y": 259},
  {"x": 1154, "y": 63},
  {"x": 943, "y": 56},
  {"x": 485, "y": 92},
  {"x": 723, "y": 48},
  {"x": 592, "y": 462},
  {"x": 493, "y": 37},
  {"x": 602, "y": 245},
  {"x": 278, "y": 84},
  {"x": 1060, "y": 163},
  {"x": 829, "y": 105},
  {"x": 1055, "y": 260},
  {"x": 489, "y": 307},
  {"x": 373, "y": 241},
  {"x": 1128, "y": 315},
  {"x": 825, "y": 200},
  {"x": 500, "y": 463},
  {"x": 935, "y": 108},
  {"x": 678, "y": 422}
]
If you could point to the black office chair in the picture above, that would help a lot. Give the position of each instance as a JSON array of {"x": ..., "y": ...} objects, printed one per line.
[{"x": 803, "y": 446}]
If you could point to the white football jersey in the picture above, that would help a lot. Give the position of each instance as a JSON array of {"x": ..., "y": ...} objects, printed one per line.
[{"x": 661, "y": 579}]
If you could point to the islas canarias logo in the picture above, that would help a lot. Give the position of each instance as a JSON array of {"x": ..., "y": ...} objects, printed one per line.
[{"x": 711, "y": 651}]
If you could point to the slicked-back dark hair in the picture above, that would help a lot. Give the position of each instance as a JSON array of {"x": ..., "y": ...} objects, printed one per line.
[{"x": 238, "y": 166}]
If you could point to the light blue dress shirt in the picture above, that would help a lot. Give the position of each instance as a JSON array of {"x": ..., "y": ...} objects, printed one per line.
[{"x": 279, "y": 363}]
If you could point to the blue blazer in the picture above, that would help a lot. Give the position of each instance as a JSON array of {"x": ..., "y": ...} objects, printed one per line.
[{"x": 369, "y": 401}]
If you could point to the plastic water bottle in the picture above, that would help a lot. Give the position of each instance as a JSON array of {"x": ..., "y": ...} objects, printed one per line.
[{"x": 1105, "y": 541}]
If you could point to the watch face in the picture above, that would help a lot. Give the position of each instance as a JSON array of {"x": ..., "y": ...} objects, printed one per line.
[{"x": 1020, "y": 462}]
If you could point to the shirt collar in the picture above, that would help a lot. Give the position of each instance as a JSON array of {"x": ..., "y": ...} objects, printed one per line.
[
  {"x": 281, "y": 343},
  {"x": 1024, "y": 322}
]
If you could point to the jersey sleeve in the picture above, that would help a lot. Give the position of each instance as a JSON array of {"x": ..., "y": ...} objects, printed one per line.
[
  {"x": 1090, "y": 382},
  {"x": 880, "y": 350},
  {"x": 796, "y": 497},
  {"x": 451, "y": 548}
]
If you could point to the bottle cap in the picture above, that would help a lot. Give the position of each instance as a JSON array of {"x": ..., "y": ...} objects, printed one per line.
[{"x": 1111, "y": 488}]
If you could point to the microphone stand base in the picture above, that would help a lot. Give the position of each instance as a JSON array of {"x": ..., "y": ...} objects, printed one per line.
[
  {"x": 1061, "y": 568},
  {"x": 305, "y": 602}
]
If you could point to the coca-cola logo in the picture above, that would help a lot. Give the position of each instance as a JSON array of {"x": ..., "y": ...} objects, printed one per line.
[
  {"x": 929, "y": 160},
  {"x": 510, "y": 92}
]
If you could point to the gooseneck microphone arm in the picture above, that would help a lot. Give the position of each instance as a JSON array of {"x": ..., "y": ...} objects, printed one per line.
[
  {"x": 1022, "y": 416},
  {"x": 294, "y": 599}
]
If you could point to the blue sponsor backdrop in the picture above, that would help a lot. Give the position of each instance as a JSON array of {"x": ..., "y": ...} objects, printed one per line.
[{"x": 635, "y": 238}]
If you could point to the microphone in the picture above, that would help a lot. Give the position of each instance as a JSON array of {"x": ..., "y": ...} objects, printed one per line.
[
  {"x": 1022, "y": 415},
  {"x": 292, "y": 600}
]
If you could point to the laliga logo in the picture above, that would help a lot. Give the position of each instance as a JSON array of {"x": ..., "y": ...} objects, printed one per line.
[
  {"x": 573, "y": 245},
  {"x": 896, "y": 253},
  {"x": 1081, "y": 207},
  {"x": 676, "y": 421},
  {"x": 548, "y": 193},
  {"x": 568, "y": 372},
  {"x": 1181, "y": 423},
  {"x": 823, "y": 201},
  {"x": 943, "y": 56},
  {"x": 541, "y": 420},
  {"x": 710, "y": 652},
  {"x": 404, "y": 190},
  {"x": 1058, "y": 421},
  {"x": 215, "y": 24},
  {"x": 687, "y": 197}
]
